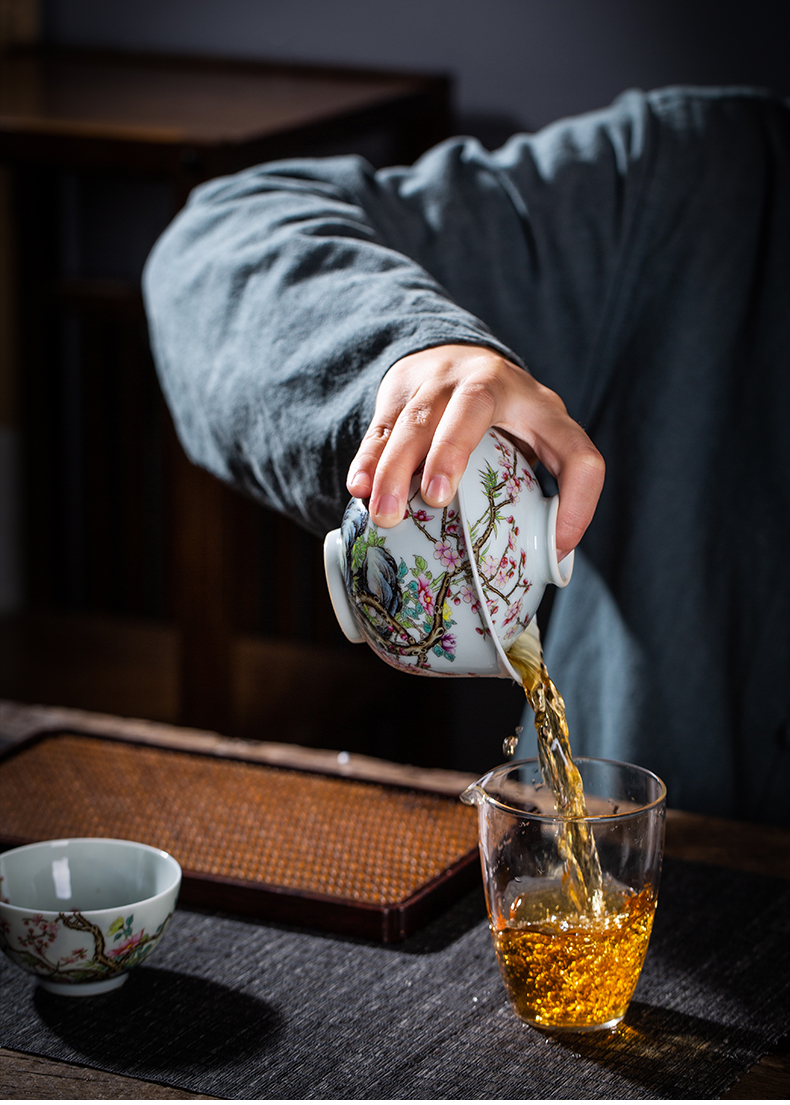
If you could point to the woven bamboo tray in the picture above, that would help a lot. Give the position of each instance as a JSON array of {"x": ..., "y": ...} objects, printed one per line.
[{"x": 285, "y": 844}]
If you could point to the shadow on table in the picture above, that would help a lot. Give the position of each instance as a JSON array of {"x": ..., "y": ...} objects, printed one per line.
[
  {"x": 162, "y": 1021},
  {"x": 449, "y": 926},
  {"x": 656, "y": 1048}
]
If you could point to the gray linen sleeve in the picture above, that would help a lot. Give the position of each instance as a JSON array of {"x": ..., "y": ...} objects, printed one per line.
[
  {"x": 275, "y": 308},
  {"x": 279, "y": 298}
]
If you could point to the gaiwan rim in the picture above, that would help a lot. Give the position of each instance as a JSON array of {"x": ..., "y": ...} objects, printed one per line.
[
  {"x": 555, "y": 574},
  {"x": 113, "y": 909},
  {"x": 553, "y": 818}
]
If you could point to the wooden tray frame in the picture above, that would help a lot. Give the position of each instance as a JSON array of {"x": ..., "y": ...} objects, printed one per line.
[{"x": 387, "y": 923}]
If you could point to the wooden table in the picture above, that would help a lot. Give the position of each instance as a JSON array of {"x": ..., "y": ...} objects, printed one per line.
[{"x": 740, "y": 846}]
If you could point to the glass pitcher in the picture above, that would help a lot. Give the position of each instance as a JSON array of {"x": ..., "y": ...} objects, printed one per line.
[{"x": 570, "y": 962}]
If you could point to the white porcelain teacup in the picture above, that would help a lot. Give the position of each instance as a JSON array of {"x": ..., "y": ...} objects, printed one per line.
[
  {"x": 415, "y": 593},
  {"x": 80, "y": 913}
]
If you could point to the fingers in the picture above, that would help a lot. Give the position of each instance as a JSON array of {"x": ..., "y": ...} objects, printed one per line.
[
  {"x": 394, "y": 392},
  {"x": 432, "y": 406},
  {"x": 363, "y": 466},
  {"x": 436, "y": 405},
  {"x": 580, "y": 481},
  {"x": 408, "y": 411},
  {"x": 469, "y": 411}
]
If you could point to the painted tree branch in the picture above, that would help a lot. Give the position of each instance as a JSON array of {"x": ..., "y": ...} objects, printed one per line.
[
  {"x": 78, "y": 923},
  {"x": 422, "y": 646}
]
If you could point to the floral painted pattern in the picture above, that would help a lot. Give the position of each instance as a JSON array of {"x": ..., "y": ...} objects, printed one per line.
[
  {"x": 101, "y": 957},
  {"x": 503, "y": 577},
  {"x": 408, "y": 608}
]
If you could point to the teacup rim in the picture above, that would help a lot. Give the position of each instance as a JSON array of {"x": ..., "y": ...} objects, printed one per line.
[{"x": 50, "y": 914}]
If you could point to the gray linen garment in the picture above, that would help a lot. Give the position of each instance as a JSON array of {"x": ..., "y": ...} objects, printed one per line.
[{"x": 637, "y": 261}]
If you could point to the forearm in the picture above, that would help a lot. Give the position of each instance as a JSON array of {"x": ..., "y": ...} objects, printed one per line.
[{"x": 276, "y": 307}]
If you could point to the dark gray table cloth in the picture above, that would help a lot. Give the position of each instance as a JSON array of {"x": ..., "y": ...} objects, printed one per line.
[{"x": 241, "y": 1009}]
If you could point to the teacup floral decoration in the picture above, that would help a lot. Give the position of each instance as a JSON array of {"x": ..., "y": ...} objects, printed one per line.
[
  {"x": 502, "y": 571},
  {"x": 79, "y": 913},
  {"x": 33, "y": 946}
]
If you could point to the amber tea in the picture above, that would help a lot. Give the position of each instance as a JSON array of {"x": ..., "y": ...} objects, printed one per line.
[{"x": 564, "y": 969}]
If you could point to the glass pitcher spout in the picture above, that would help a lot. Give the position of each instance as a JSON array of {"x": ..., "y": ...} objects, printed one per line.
[{"x": 474, "y": 795}]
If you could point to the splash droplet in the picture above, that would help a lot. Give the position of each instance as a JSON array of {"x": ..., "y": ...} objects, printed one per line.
[{"x": 509, "y": 744}]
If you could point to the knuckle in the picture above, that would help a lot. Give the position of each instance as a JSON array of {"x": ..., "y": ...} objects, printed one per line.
[
  {"x": 416, "y": 416},
  {"x": 590, "y": 465},
  {"x": 452, "y": 459},
  {"x": 481, "y": 391},
  {"x": 377, "y": 434},
  {"x": 590, "y": 458}
]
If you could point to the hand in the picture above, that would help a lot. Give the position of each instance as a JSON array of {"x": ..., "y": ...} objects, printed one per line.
[{"x": 435, "y": 406}]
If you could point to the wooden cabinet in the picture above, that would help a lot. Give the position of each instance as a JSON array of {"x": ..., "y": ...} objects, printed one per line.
[{"x": 102, "y": 149}]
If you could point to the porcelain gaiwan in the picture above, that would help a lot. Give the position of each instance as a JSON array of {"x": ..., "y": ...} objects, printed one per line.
[{"x": 447, "y": 591}]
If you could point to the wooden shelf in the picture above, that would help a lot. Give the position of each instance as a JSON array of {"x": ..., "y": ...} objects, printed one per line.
[{"x": 194, "y": 117}]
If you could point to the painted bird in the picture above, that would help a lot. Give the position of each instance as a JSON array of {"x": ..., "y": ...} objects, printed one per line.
[
  {"x": 378, "y": 577},
  {"x": 354, "y": 522}
]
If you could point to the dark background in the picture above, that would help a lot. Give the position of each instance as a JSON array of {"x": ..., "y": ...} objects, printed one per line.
[
  {"x": 99, "y": 635},
  {"x": 518, "y": 64}
]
